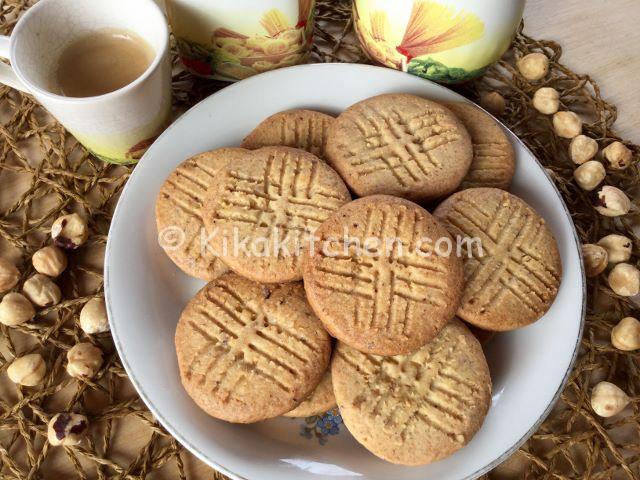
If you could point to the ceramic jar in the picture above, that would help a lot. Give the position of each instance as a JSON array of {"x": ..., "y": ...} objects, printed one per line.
[
  {"x": 234, "y": 39},
  {"x": 447, "y": 41}
]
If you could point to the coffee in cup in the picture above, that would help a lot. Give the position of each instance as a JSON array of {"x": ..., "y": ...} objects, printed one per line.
[{"x": 101, "y": 68}]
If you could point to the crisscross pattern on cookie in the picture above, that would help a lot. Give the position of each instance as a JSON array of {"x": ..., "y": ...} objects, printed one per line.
[
  {"x": 285, "y": 193},
  {"x": 382, "y": 287},
  {"x": 513, "y": 265},
  {"x": 491, "y": 166},
  {"x": 399, "y": 142},
  {"x": 303, "y": 129},
  {"x": 180, "y": 206},
  {"x": 307, "y": 134},
  {"x": 186, "y": 187},
  {"x": 238, "y": 340},
  {"x": 440, "y": 390},
  {"x": 493, "y": 163}
]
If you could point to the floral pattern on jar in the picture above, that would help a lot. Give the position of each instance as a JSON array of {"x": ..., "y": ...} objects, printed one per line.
[
  {"x": 447, "y": 41},
  {"x": 235, "y": 39}
]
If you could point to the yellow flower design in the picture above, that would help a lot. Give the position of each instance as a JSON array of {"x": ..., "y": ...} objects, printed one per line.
[
  {"x": 292, "y": 37},
  {"x": 379, "y": 25},
  {"x": 275, "y": 47},
  {"x": 274, "y": 22},
  {"x": 432, "y": 28}
]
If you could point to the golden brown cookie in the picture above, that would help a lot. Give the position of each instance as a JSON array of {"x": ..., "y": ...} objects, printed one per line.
[
  {"x": 387, "y": 290},
  {"x": 402, "y": 145},
  {"x": 415, "y": 409},
  {"x": 303, "y": 129},
  {"x": 179, "y": 213},
  {"x": 512, "y": 280},
  {"x": 265, "y": 208},
  {"x": 248, "y": 352},
  {"x": 494, "y": 160},
  {"x": 320, "y": 401}
]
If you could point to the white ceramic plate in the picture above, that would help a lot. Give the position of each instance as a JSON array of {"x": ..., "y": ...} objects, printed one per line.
[{"x": 145, "y": 294}]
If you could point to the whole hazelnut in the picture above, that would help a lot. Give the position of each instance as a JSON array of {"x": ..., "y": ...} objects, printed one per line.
[
  {"x": 612, "y": 202},
  {"x": 70, "y": 231},
  {"x": 93, "y": 317},
  {"x": 84, "y": 360},
  {"x": 625, "y": 335},
  {"x": 9, "y": 275},
  {"x": 582, "y": 149},
  {"x": 589, "y": 175},
  {"x": 608, "y": 399},
  {"x": 595, "y": 259},
  {"x": 618, "y": 156},
  {"x": 624, "y": 280},
  {"x": 534, "y": 66},
  {"x": 16, "y": 309},
  {"x": 67, "y": 429},
  {"x": 493, "y": 103},
  {"x": 41, "y": 290},
  {"x": 50, "y": 261},
  {"x": 28, "y": 370},
  {"x": 567, "y": 124},
  {"x": 618, "y": 247},
  {"x": 546, "y": 100}
]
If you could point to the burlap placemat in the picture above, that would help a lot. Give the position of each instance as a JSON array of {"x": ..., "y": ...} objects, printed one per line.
[{"x": 44, "y": 172}]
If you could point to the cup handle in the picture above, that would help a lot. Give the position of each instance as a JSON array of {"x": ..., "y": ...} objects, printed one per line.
[{"x": 7, "y": 75}]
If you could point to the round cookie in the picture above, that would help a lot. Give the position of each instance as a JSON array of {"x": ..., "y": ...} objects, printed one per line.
[
  {"x": 303, "y": 129},
  {"x": 415, "y": 409},
  {"x": 321, "y": 400},
  {"x": 179, "y": 212},
  {"x": 513, "y": 279},
  {"x": 494, "y": 160},
  {"x": 399, "y": 144},
  {"x": 248, "y": 352},
  {"x": 387, "y": 290},
  {"x": 265, "y": 208}
]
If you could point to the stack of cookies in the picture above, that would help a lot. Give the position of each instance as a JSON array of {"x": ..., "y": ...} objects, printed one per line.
[{"x": 331, "y": 283}]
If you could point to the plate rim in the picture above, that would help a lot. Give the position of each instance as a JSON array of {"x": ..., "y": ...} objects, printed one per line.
[{"x": 240, "y": 84}]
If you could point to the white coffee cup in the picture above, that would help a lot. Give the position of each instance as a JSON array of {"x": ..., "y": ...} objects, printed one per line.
[{"x": 117, "y": 126}]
